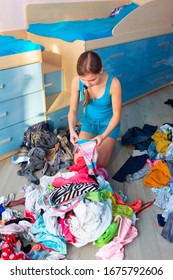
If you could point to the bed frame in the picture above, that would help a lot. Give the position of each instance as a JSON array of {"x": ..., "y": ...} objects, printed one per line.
[
  {"x": 54, "y": 12},
  {"x": 21, "y": 59}
]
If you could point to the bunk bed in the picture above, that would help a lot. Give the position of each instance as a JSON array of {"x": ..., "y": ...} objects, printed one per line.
[{"x": 137, "y": 48}]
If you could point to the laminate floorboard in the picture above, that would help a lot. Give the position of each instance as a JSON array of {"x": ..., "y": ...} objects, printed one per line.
[{"x": 149, "y": 244}]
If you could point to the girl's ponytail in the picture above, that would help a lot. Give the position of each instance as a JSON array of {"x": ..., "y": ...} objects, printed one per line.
[{"x": 86, "y": 97}]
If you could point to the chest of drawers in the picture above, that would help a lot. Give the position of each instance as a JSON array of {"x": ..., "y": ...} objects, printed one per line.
[
  {"x": 141, "y": 66},
  {"x": 21, "y": 104}
]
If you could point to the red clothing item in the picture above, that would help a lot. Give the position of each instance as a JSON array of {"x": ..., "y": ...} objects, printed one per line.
[
  {"x": 30, "y": 215},
  {"x": 80, "y": 164},
  {"x": 10, "y": 250},
  {"x": 118, "y": 199}
]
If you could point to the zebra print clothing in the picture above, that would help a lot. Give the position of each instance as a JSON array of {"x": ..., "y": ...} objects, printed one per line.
[{"x": 69, "y": 191}]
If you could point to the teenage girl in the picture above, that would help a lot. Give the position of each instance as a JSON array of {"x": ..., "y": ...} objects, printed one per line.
[{"x": 101, "y": 95}]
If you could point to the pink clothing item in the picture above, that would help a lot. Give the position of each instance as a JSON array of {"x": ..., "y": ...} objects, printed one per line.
[
  {"x": 78, "y": 178},
  {"x": 114, "y": 250},
  {"x": 152, "y": 163},
  {"x": 65, "y": 229},
  {"x": 89, "y": 152},
  {"x": 101, "y": 171},
  {"x": 79, "y": 165}
]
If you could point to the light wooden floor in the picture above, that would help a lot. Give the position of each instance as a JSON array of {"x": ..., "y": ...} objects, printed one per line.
[{"x": 148, "y": 245}]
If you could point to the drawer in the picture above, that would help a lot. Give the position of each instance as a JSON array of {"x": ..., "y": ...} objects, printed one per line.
[
  {"x": 121, "y": 54},
  {"x": 156, "y": 63},
  {"x": 159, "y": 79},
  {"x": 53, "y": 82},
  {"x": 59, "y": 119},
  {"x": 19, "y": 81},
  {"x": 144, "y": 85},
  {"x": 136, "y": 70},
  {"x": 11, "y": 138},
  {"x": 21, "y": 108},
  {"x": 125, "y": 73},
  {"x": 159, "y": 44}
]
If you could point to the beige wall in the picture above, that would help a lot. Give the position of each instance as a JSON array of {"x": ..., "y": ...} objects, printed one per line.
[{"x": 12, "y": 14}]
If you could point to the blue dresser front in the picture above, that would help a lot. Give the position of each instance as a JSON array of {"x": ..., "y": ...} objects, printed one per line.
[
  {"x": 53, "y": 82},
  {"x": 141, "y": 66},
  {"x": 21, "y": 104},
  {"x": 59, "y": 118}
]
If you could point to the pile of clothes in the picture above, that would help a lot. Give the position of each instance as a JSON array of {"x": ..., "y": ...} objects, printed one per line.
[
  {"x": 152, "y": 158},
  {"x": 75, "y": 205},
  {"x": 43, "y": 150}
]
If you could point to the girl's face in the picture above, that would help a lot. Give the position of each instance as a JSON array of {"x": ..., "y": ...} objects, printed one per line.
[{"x": 91, "y": 79}]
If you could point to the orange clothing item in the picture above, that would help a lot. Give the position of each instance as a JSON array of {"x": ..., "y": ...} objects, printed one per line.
[{"x": 158, "y": 176}]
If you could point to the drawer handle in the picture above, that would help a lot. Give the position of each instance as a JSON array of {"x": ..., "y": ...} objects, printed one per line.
[
  {"x": 159, "y": 79},
  {"x": 63, "y": 118},
  {"x": 2, "y": 86},
  {"x": 48, "y": 85},
  {"x": 117, "y": 55},
  {"x": 160, "y": 62},
  {"x": 6, "y": 141},
  {"x": 119, "y": 76},
  {"x": 164, "y": 44},
  {"x": 2, "y": 115}
]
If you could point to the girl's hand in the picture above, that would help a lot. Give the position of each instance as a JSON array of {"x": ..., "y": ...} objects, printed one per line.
[
  {"x": 73, "y": 137},
  {"x": 99, "y": 139}
]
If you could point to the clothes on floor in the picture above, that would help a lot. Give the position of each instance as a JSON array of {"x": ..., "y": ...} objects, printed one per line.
[
  {"x": 114, "y": 250},
  {"x": 70, "y": 207},
  {"x": 139, "y": 137},
  {"x": 132, "y": 165},
  {"x": 45, "y": 151},
  {"x": 158, "y": 176},
  {"x": 167, "y": 231}
]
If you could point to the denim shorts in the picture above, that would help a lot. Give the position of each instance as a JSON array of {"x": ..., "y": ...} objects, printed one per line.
[{"x": 98, "y": 127}]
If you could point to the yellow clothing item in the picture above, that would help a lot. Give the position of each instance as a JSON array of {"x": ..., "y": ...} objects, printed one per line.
[{"x": 161, "y": 141}]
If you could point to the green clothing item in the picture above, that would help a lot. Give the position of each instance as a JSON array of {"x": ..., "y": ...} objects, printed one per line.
[
  {"x": 96, "y": 196},
  {"x": 123, "y": 211},
  {"x": 117, "y": 209},
  {"x": 109, "y": 234}
]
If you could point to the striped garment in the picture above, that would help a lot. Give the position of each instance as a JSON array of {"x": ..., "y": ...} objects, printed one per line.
[
  {"x": 69, "y": 191},
  {"x": 89, "y": 153}
]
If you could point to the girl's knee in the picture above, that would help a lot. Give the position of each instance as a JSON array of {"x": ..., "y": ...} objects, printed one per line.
[{"x": 105, "y": 152}]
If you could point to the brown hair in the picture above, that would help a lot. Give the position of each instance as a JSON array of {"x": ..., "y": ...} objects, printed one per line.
[{"x": 88, "y": 62}]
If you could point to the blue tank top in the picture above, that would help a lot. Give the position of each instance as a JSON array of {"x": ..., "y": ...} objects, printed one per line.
[{"x": 100, "y": 108}]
